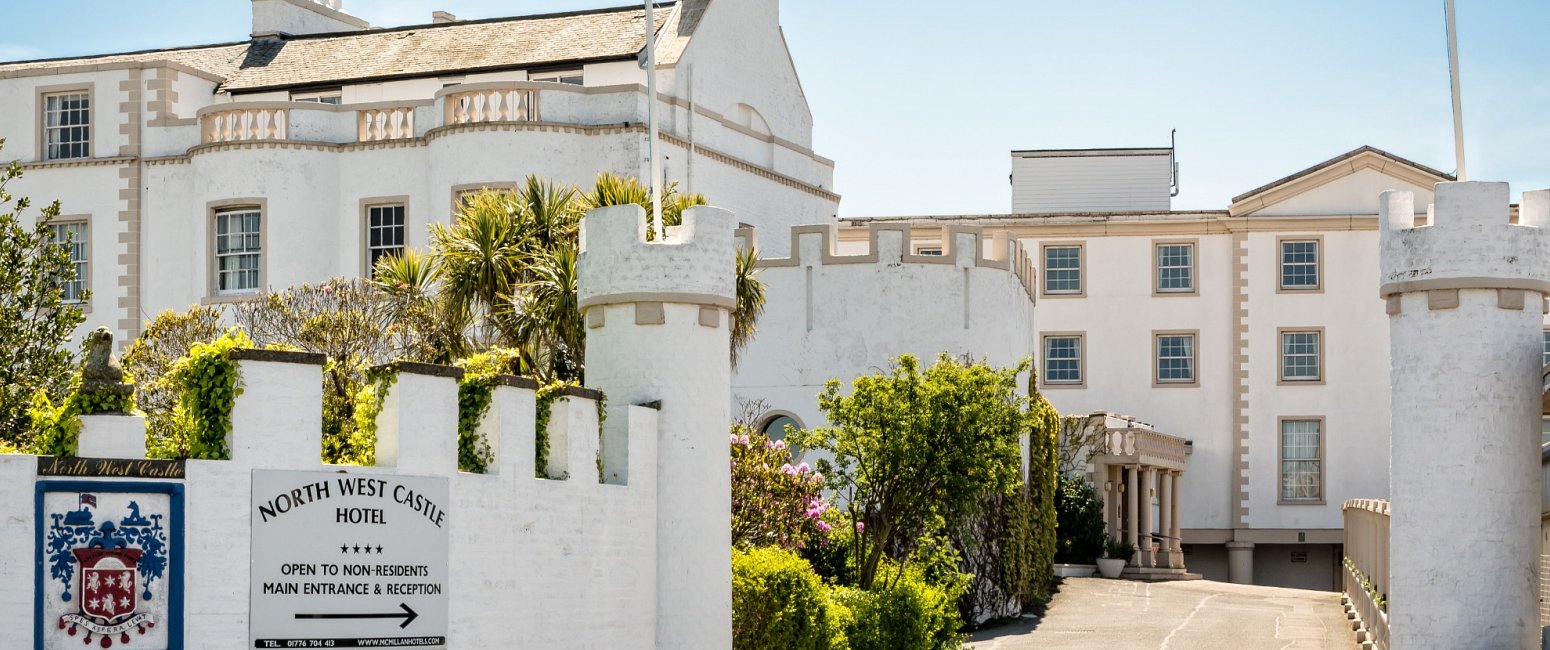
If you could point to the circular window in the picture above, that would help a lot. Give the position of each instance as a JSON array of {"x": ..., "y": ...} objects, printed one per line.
[{"x": 775, "y": 428}]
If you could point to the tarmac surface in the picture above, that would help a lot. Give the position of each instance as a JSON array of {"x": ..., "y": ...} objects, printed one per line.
[{"x": 1194, "y": 615}]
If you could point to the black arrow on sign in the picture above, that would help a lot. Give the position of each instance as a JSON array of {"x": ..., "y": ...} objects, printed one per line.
[{"x": 408, "y": 615}]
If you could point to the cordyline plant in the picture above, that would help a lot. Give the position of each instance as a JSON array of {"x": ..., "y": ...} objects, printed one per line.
[
  {"x": 774, "y": 503},
  {"x": 917, "y": 447}
]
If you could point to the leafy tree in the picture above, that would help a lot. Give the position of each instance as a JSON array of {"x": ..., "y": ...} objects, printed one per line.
[
  {"x": 916, "y": 447},
  {"x": 408, "y": 312},
  {"x": 35, "y": 322},
  {"x": 750, "y": 301},
  {"x": 338, "y": 318}
]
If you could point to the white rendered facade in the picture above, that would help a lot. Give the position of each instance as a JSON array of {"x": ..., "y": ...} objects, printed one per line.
[
  {"x": 1253, "y": 424},
  {"x": 178, "y": 137}
]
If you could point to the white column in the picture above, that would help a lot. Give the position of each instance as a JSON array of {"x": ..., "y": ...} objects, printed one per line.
[
  {"x": 1165, "y": 517},
  {"x": 1145, "y": 549},
  {"x": 1132, "y": 524},
  {"x": 1109, "y": 483},
  {"x": 1464, "y": 298},
  {"x": 1176, "y": 558}
]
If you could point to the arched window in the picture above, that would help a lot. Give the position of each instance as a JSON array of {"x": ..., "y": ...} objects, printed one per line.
[{"x": 775, "y": 427}]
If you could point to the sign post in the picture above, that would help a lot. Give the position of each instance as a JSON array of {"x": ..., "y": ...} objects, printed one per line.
[{"x": 348, "y": 560}]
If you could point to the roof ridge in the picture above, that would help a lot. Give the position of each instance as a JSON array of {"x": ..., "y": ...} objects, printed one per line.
[
  {"x": 477, "y": 21},
  {"x": 84, "y": 57},
  {"x": 1366, "y": 148}
]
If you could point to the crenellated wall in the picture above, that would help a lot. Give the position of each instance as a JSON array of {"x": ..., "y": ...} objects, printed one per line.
[
  {"x": 832, "y": 315},
  {"x": 530, "y": 559}
]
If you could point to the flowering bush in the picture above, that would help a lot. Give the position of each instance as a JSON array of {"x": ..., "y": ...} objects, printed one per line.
[{"x": 774, "y": 503}]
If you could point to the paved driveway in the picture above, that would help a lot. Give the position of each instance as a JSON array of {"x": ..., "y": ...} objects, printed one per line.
[{"x": 1194, "y": 615}]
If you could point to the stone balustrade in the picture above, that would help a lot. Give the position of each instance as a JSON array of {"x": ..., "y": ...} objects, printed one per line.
[
  {"x": 384, "y": 123},
  {"x": 491, "y": 103},
  {"x": 1365, "y": 574},
  {"x": 1149, "y": 447},
  {"x": 242, "y": 123}
]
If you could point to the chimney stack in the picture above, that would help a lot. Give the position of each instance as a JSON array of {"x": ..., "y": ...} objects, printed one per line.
[
  {"x": 296, "y": 17},
  {"x": 442, "y": 17}
]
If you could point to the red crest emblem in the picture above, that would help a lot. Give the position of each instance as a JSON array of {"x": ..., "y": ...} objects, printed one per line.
[{"x": 108, "y": 581}]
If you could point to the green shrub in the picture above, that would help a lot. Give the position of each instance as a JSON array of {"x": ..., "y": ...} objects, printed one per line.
[
  {"x": 906, "y": 609},
  {"x": 779, "y": 603},
  {"x": 1081, "y": 528}
]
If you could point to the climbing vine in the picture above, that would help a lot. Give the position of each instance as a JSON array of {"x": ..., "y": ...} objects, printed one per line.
[
  {"x": 368, "y": 404},
  {"x": 208, "y": 383},
  {"x": 474, "y": 395}
]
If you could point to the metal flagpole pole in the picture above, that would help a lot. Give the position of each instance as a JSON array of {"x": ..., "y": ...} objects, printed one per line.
[
  {"x": 651, "y": 124},
  {"x": 1453, "y": 73}
]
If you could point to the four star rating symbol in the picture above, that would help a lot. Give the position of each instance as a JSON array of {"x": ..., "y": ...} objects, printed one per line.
[{"x": 346, "y": 549}]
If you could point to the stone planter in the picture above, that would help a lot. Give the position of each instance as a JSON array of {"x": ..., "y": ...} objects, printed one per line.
[
  {"x": 1075, "y": 570},
  {"x": 1110, "y": 567}
]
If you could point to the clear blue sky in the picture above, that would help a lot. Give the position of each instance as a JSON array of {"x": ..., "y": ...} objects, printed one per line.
[{"x": 919, "y": 103}]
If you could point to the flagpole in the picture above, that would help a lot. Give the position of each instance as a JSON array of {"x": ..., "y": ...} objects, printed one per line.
[
  {"x": 651, "y": 123},
  {"x": 1453, "y": 73}
]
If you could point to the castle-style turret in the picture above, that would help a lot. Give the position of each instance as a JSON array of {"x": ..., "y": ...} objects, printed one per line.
[
  {"x": 658, "y": 318},
  {"x": 1465, "y": 298}
]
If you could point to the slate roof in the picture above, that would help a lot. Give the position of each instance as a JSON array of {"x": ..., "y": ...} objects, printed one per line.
[{"x": 404, "y": 52}]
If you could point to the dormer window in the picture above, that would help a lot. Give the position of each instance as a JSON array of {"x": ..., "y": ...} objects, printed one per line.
[
  {"x": 334, "y": 96},
  {"x": 572, "y": 77}
]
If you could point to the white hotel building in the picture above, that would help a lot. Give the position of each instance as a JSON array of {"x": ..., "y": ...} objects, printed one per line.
[{"x": 207, "y": 174}]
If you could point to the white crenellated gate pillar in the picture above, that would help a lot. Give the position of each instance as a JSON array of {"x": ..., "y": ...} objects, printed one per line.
[
  {"x": 658, "y": 330},
  {"x": 1465, "y": 298}
]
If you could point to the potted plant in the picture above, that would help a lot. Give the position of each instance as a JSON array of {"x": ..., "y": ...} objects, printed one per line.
[{"x": 1115, "y": 554}]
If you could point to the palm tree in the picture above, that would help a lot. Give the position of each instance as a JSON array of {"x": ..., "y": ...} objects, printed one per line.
[
  {"x": 479, "y": 255},
  {"x": 750, "y": 301}
]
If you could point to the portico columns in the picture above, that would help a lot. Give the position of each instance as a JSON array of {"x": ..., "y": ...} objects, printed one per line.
[
  {"x": 1132, "y": 523},
  {"x": 1165, "y": 517},
  {"x": 1176, "y": 555},
  {"x": 1110, "y": 484},
  {"x": 1147, "y": 474}
]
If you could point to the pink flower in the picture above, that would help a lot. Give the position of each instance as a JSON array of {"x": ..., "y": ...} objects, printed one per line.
[
  {"x": 803, "y": 468},
  {"x": 788, "y": 469},
  {"x": 817, "y": 477},
  {"x": 860, "y": 526},
  {"x": 823, "y": 526}
]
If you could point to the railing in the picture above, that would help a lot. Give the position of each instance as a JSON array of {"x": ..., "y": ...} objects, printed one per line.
[
  {"x": 390, "y": 123},
  {"x": 492, "y": 105},
  {"x": 1150, "y": 447},
  {"x": 245, "y": 123},
  {"x": 1366, "y": 569}
]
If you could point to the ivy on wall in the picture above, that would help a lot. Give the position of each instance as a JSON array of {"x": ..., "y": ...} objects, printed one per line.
[
  {"x": 368, "y": 404},
  {"x": 208, "y": 382}
]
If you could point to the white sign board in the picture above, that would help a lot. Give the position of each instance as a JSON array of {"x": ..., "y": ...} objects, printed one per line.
[{"x": 348, "y": 561}]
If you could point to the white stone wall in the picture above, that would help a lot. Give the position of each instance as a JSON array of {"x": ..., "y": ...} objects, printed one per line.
[
  {"x": 531, "y": 560},
  {"x": 842, "y": 316}
]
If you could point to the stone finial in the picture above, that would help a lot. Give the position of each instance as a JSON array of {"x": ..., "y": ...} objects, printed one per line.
[{"x": 100, "y": 373}]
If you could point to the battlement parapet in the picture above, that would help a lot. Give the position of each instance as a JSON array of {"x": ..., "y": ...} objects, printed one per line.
[
  {"x": 694, "y": 264},
  {"x": 890, "y": 244},
  {"x": 1468, "y": 242}
]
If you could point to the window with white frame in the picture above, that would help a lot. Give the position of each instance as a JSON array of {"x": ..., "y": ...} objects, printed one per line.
[
  {"x": 572, "y": 77},
  {"x": 238, "y": 252},
  {"x": 929, "y": 250},
  {"x": 1300, "y": 264},
  {"x": 384, "y": 233},
  {"x": 1545, "y": 358},
  {"x": 1062, "y": 359},
  {"x": 334, "y": 96},
  {"x": 1175, "y": 358},
  {"x": 1062, "y": 269},
  {"x": 67, "y": 125},
  {"x": 72, "y": 237},
  {"x": 1302, "y": 472},
  {"x": 1176, "y": 268},
  {"x": 1300, "y": 356}
]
